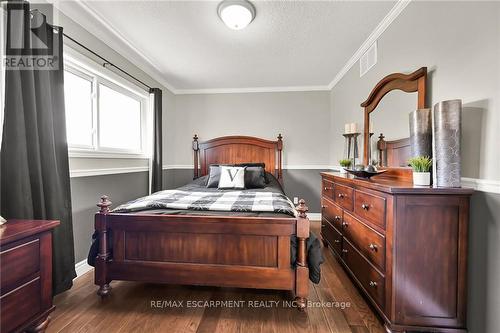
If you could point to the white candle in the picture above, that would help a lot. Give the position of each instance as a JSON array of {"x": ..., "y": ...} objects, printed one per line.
[
  {"x": 353, "y": 128},
  {"x": 347, "y": 128}
]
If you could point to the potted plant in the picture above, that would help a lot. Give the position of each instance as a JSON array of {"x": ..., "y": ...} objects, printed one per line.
[
  {"x": 421, "y": 166},
  {"x": 345, "y": 164}
]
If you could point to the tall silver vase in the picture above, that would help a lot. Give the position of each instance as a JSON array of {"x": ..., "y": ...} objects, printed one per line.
[
  {"x": 446, "y": 134},
  {"x": 421, "y": 132}
]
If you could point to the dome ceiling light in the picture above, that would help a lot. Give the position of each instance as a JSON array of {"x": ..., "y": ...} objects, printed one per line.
[{"x": 236, "y": 14}]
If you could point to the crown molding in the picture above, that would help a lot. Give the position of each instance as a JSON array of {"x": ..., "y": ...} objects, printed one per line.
[
  {"x": 127, "y": 46},
  {"x": 250, "y": 90},
  {"x": 157, "y": 75},
  {"x": 376, "y": 33}
]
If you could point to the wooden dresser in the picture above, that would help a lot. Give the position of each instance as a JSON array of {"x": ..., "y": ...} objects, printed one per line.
[
  {"x": 405, "y": 247},
  {"x": 26, "y": 275}
]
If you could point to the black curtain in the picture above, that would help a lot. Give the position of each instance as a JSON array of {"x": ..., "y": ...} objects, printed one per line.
[
  {"x": 34, "y": 172},
  {"x": 157, "y": 158}
]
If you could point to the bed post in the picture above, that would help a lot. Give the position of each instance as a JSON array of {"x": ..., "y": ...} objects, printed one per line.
[
  {"x": 302, "y": 271},
  {"x": 196, "y": 149},
  {"x": 280, "y": 163},
  {"x": 103, "y": 254},
  {"x": 381, "y": 147}
]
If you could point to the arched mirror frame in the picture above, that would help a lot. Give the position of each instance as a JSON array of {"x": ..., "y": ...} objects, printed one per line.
[{"x": 410, "y": 83}]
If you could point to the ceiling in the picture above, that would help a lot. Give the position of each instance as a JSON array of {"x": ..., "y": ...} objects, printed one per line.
[{"x": 184, "y": 43}]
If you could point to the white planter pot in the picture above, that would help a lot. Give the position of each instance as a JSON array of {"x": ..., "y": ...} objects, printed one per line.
[
  {"x": 421, "y": 178},
  {"x": 342, "y": 170}
]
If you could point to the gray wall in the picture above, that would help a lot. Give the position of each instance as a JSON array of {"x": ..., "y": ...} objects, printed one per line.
[
  {"x": 484, "y": 264},
  {"x": 459, "y": 42},
  {"x": 303, "y": 118},
  {"x": 85, "y": 194}
]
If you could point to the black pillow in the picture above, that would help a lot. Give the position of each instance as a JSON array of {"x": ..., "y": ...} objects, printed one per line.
[
  {"x": 260, "y": 164},
  {"x": 214, "y": 176},
  {"x": 255, "y": 177}
]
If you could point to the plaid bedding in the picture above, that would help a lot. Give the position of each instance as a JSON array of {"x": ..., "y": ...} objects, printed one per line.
[{"x": 226, "y": 201}]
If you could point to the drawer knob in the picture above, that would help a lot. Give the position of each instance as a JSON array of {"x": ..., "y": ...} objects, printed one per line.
[
  {"x": 373, "y": 247},
  {"x": 337, "y": 218},
  {"x": 341, "y": 195},
  {"x": 344, "y": 250},
  {"x": 323, "y": 225},
  {"x": 345, "y": 224},
  {"x": 337, "y": 241},
  {"x": 323, "y": 206},
  {"x": 327, "y": 188},
  {"x": 365, "y": 206},
  {"x": 373, "y": 284}
]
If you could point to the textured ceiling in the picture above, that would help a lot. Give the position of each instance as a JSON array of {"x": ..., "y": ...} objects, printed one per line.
[{"x": 290, "y": 43}]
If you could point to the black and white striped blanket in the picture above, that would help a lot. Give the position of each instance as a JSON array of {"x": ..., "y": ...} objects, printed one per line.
[{"x": 226, "y": 201}]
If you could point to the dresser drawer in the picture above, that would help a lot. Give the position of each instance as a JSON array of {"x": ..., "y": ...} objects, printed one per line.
[
  {"x": 332, "y": 236},
  {"x": 370, "y": 207},
  {"x": 18, "y": 263},
  {"x": 332, "y": 213},
  {"x": 368, "y": 242},
  {"x": 344, "y": 196},
  {"x": 371, "y": 280},
  {"x": 19, "y": 305},
  {"x": 327, "y": 189}
]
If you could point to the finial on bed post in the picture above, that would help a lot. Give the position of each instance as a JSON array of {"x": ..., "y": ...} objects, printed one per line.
[
  {"x": 381, "y": 147},
  {"x": 302, "y": 208},
  {"x": 280, "y": 163},
  {"x": 196, "y": 149},
  {"x": 104, "y": 205}
]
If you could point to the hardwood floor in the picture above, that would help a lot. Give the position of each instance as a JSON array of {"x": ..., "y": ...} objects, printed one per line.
[{"x": 132, "y": 307}]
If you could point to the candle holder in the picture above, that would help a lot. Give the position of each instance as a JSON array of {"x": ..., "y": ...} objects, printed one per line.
[{"x": 351, "y": 151}]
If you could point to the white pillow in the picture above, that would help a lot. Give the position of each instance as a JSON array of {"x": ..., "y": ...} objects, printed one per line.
[{"x": 232, "y": 177}]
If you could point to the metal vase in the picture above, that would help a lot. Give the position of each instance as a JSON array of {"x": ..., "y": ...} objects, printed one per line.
[
  {"x": 421, "y": 132},
  {"x": 446, "y": 134}
]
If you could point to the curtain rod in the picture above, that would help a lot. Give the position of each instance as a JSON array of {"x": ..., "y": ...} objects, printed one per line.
[{"x": 106, "y": 61}]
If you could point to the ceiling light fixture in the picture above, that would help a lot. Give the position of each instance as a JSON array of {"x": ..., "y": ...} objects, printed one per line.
[{"x": 236, "y": 14}]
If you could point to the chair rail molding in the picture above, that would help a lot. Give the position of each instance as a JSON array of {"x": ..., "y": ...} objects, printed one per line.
[{"x": 105, "y": 171}]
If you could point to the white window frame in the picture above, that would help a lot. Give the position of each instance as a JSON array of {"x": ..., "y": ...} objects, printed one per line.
[{"x": 82, "y": 66}]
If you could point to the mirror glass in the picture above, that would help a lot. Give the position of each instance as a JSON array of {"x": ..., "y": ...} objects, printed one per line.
[{"x": 391, "y": 118}]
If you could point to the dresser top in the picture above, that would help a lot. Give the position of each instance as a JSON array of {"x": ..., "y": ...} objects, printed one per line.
[
  {"x": 393, "y": 185},
  {"x": 14, "y": 230}
]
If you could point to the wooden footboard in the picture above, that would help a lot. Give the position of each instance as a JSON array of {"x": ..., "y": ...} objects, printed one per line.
[{"x": 225, "y": 251}]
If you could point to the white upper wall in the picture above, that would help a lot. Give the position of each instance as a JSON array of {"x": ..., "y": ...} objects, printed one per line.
[
  {"x": 303, "y": 118},
  {"x": 459, "y": 42}
]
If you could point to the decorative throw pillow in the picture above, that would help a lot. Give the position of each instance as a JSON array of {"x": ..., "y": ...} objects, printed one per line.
[
  {"x": 214, "y": 176},
  {"x": 255, "y": 177},
  {"x": 232, "y": 177},
  {"x": 259, "y": 164}
]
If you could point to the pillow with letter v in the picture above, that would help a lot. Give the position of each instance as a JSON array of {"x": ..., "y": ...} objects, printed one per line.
[{"x": 232, "y": 177}]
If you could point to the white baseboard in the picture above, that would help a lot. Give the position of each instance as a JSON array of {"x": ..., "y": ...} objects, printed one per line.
[
  {"x": 314, "y": 216},
  {"x": 82, "y": 267}
]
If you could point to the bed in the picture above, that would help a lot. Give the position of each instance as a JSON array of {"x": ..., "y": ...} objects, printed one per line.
[{"x": 213, "y": 249}]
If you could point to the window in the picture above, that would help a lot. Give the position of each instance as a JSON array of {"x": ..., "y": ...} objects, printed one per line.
[
  {"x": 79, "y": 113},
  {"x": 105, "y": 114}
]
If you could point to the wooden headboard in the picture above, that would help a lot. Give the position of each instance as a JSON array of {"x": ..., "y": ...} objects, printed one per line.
[
  {"x": 238, "y": 149},
  {"x": 393, "y": 153}
]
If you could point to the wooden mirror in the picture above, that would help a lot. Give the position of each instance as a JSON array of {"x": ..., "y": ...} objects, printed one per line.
[{"x": 396, "y": 151}]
